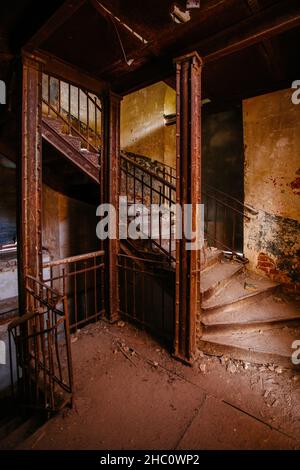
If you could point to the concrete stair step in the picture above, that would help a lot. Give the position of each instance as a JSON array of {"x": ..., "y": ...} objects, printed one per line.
[
  {"x": 91, "y": 156},
  {"x": 73, "y": 140},
  {"x": 272, "y": 346},
  {"x": 244, "y": 289},
  {"x": 274, "y": 310},
  {"x": 56, "y": 124},
  {"x": 210, "y": 257},
  {"x": 218, "y": 276}
]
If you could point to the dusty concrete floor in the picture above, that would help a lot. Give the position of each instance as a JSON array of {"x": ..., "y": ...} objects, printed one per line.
[{"x": 130, "y": 394}]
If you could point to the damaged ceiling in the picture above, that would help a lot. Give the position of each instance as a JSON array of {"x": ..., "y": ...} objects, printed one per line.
[{"x": 248, "y": 45}]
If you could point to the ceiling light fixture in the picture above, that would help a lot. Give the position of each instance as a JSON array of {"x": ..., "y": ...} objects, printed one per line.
[
  {"x": 190, "y": 4},
  {"x": 179, "y": 16}
]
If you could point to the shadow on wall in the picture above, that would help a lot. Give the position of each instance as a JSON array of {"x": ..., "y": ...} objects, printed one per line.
[
  {"x": 223, "y": 151},
  {"x": 272, "y": 142},
  {"x": 69, "y": 225},
  {"x": 143, "y": 129}
]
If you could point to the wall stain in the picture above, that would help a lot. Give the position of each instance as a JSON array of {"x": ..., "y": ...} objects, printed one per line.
[{"x": 277, "y": 242}]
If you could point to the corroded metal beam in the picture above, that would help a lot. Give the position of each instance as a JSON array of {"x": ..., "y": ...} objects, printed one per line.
[
  {"x": 59, "y": 68},
  {"x": 260, "y": 26},
  {"x": 30, "y": 235},
  {"x": 70, "y": 152},
  {"x": 112, "y": 105},
  {"x": 188, "y": 155}
]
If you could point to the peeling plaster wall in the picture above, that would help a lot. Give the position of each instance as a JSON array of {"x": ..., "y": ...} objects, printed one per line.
[
  {"x": 272, "y": 171},
  {"x": 143, "y": 129},
  {"x": 69, "y": 226}
]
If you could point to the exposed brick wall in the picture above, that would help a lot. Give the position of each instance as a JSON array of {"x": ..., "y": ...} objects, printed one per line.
[{"x": 269, "y": 267}]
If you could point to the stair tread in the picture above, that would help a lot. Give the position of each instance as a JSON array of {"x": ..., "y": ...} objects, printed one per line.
[
  {"x": 274, "y": 341},
  {"x": 213, "y": 275},
  {"x": 272, "y": 309},
  {"x": 211, "y": 254},
  {"x": 236, "y": 291}
]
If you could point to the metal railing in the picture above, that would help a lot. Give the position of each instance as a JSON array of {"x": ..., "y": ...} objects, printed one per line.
[
  {"x": 41, "y": 368},
  {"x": 223, "y": 218},
  {"x": 79, "y": 111},
  {"x": 167, "y": 172},
  {"x": 147, "y": 294},
  {"x": 147, "y": 188},
  {"x": 81, "y": 280}
]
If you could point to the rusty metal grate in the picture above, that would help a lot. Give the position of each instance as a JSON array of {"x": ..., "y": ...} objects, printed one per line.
[
  {"x": 40, "y": 354},
  {"x": 81, "y": 280},
  {"x": 147, "y": 290}
]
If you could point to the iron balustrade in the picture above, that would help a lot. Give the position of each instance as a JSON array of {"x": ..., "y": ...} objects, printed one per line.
[
  {"x": 41, "y": 374},
  {"x": 81, "y": 279},
  {"x": 147, "y": 294},
  {"x": 78, "y": 110},
  {"x": 147, "y": 182},
  {"x": 147, "y": 188}
]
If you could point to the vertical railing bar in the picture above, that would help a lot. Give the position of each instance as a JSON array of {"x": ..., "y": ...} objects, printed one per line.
[
  {"x": 42, "y": 330},
  {"x": 85, "y": 292},
  {"x": 59, "y": 96},
  {"x": 69, "y": 107},
  {"x": 79, "y": 122},
  {"x": 75, "y": 297},
  {"x": 49, "y": 95},
  {"x": 49, "y": 344},
  {"x": 88, "y": 120},
  {"x": 11, "y": 370},
  {"x": 95, "y": 287},
  {"x": 126, "y": 286}
]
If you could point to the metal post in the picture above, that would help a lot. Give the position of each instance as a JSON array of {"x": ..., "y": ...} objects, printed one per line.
[
  {"x": 188, "y": 189},
  {"x": 30, "y": 236},
  {"x": 112, "y": 107}
]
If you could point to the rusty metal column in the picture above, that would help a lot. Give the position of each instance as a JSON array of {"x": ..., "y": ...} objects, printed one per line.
[
  {"x": 112, "y": 107},
  {"x": 30, "y": 235},
  {"x": 188, "y": 190}
]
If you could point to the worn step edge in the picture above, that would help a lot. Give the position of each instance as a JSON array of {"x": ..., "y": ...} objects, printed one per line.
[
  {"x": 246, "y": 355},
  {"x": 250, "y": 326},
  {"x": 221, "y": 283},
  {"x": 211, "y": 261},
  {"x": 241, "y": 300}
]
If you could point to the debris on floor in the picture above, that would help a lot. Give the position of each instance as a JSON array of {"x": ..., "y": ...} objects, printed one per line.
[{"x": 131, "y": 394}]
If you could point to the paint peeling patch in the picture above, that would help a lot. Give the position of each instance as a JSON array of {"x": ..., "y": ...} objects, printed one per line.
[
  {"x": 295, "y": 185},
  {"x": 277, "y": 242}
]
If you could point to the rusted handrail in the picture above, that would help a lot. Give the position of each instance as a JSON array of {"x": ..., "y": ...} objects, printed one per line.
[
  {"x": 81, "y": 279},
  {"x": 224, "y": 214},
  {"x": 149, "y": 172},
  {"x": 74, "y": 259},
  {"x": 42, "y": 377},
  {"x": 92, "y": 115},
  {"x": 70, "y": 125}
]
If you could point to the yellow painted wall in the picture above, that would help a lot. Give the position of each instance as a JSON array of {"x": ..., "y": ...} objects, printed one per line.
[
  {"x": 143, "y": 129},
  {"x": 272, "y": 171}
]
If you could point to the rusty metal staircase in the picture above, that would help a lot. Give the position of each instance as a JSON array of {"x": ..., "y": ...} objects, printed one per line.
[
  {"x": 243, "y": 315},
  {"x": 72, "y": 124}
]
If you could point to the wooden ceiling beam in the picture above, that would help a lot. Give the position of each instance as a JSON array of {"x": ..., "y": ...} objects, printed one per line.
[
  {"x": 58, "y": 68},
  {"x": 258, "y": 27},
  {"x": 57, "y": 19},
  {"x": 273, "y": 57}
]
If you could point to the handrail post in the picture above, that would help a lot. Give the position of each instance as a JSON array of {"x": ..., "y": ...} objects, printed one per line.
[
  {"x": 30, "y": 227},
  {"x": 112, "y": 105},
  {"x": 188, "y": 157}
]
